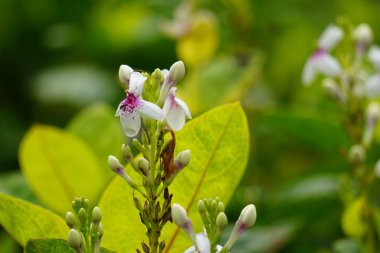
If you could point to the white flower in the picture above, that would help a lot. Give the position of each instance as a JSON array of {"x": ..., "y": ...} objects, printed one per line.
[
  {"x": 374, "y": 56},
  {"x": 203, "y": 245},
  {"x": 175, "y": 111},
  {"x": 321, "y": 61},
  {"x": 133, "y": 106}
]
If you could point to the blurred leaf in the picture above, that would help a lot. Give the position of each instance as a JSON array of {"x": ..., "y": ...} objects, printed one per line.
[
  {"x": 23, "y": 220},
  {"x": 219, "y": 144},
  {"x": 223, "y": 80},
  {"x": 75, "y": 85},
  {"x": 201, "y": 41},
  {"x": 263, "y": 239},
  {"x": 52, "y": 245},
  {"x": 47, "y": 246},
  {"x": 7, "y": 243},
  {"x": 308, "y": 189},
  {"x": 100, "y": 129},
  {"x": 14, "y": 183},
  {"x": 346, "y": 246},
  {"x": 352, "y": 222},
  {"x": 324, "y": 135},
  {"x": 59, "y": 167}
]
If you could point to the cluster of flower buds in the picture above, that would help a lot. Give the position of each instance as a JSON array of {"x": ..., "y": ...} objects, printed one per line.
[
  {"x": 146, "y": 95},
  {"x": 86, "y": 231},
  {"x": 214, "y": 222}
]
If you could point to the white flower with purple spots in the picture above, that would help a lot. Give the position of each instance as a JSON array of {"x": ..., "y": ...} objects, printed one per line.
[
  {"x": 321, "y": 61},
  {"x": 175, "y": 111},
  {"x": 134, "y": 106},
  {"x": 203, "y": 245}
]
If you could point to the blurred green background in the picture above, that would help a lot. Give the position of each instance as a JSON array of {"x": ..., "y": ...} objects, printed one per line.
[{"x": 57, "y": 57}]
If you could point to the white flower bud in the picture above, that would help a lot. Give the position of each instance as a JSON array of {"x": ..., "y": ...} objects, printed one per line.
[
  {"x": 183, "y": 158},
  {"x": 115, "y": 165},
  {"x": 330, "y": 37},
  {"x": 363, "y": 34},
  {"x": 373, "y": 114},
  {"x": 356, "y": 154},
  {"x": 248, "y": 216},
  {"x": 374, "y": 56},
  {"x": 125, "y": 73},
  {"x": 143, "y": 165},
  {"x": 177, "y": 71},
  {"x": 179, "y": 216}
]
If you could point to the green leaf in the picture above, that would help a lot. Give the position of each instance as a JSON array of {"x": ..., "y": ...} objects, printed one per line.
[
  {"x": 219, "y": 144},
  {"x": 59, "y": 166},
  {"x": 48, "y": 246},
  {"x": 14, "y": 183},
  {"x": 352, "y": 222},
  {"x": 23, "y": 220},
  {"x": 97, "y": 126},
  {"x": 52, "y": 245}
]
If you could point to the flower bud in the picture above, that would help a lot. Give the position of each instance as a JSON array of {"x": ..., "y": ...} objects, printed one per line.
[
  {"x": 246, "y": 220},
  {"x": 248, "y": 216},
  {"x": 125, "y": 73},
  {"x": 75, "y": 240},
  {"x": 183, "y": 159},
  {"x": 373, "y": 114},
  {"x": 332, "y": 89},
  {"x": 126, "y": 152},
  {"x": 100, "y": 230},
  {"x": 220, "y": 207},
  {"x": 143, "y": 165},
  {"x": 330, "y": 37},
  {"x": 201, "y": 206},
  {"x": 82, "y": 216},
  {"x": 356, "y": 154},
  {"x": 115, "y": 165},
  {"x": 70, "y": 220},
  {"x": 158, "y": 77},
  {"x": 96, "y": 215},
  {"x": 363, "y": 34},
  {"x": 179, "y": 216},
  {"x": 221, "y": 221},
  {"x": 177, "y": 71},
  {"x": 374, "y": 56}
]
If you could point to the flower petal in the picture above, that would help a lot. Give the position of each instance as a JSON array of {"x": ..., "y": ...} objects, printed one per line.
[
  {"x": 119, "y": 110},
  {"x": 327, "y": 65},
  {"x": 373, "y": 86},
  {"x": 190, "y": 250},
  {"x": 330, "y": 37},
  {"x": 131, "y": 123},
  {"x": 136, "y": 83},
  {"x": 183, "y": 105},
  {"x": 175, "y": 117},
  {"x": 150, "y": 110},
  {"x": 309, "y": 72},
  {"x": 203, "y": 243}
]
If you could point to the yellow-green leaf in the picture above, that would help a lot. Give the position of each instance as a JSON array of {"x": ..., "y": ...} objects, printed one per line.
[
  {"x": 23, "y": 220},
  {"x": 219, "y": 145},
  {"x": 58, "y": 166},
  {"x": 352, "y": 221},
  {"x": 97, "y": 126}
]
